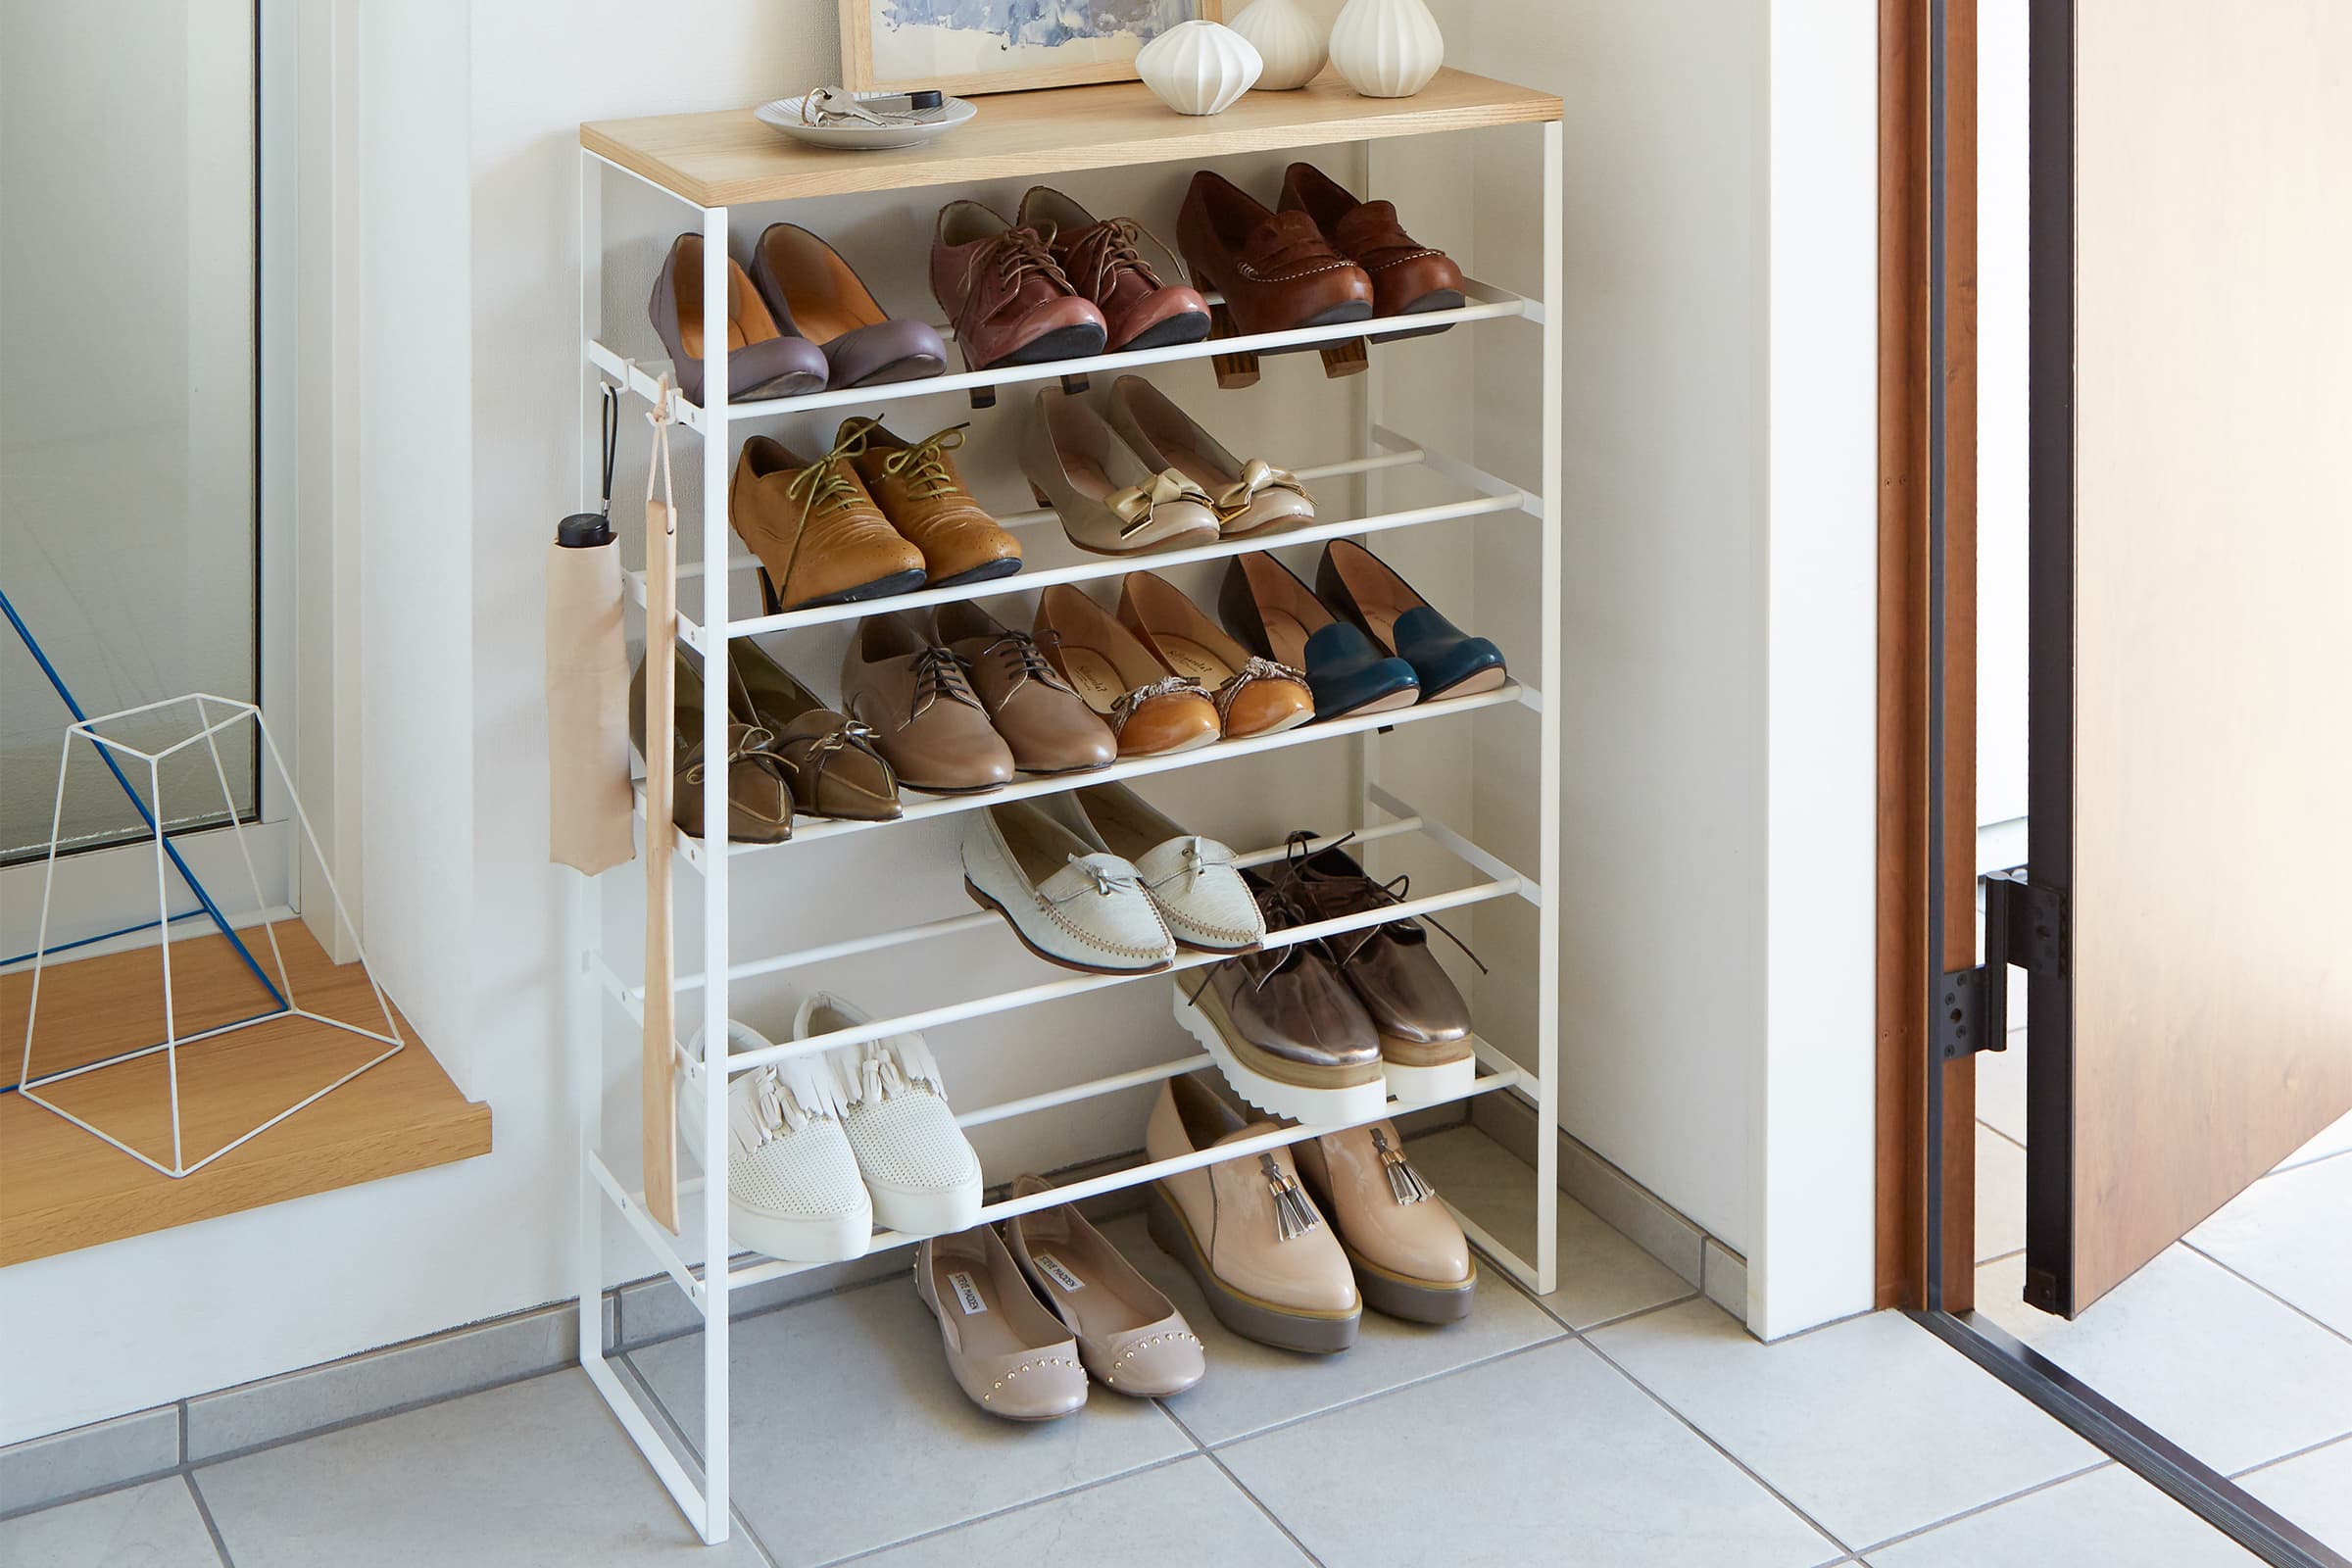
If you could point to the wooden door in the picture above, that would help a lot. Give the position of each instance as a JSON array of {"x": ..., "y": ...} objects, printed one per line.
[{"x": 2192, "y": 615}]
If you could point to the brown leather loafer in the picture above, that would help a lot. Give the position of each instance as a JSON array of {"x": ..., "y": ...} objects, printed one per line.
[
  {"x": 1045, "y": 722},
  {"x": 922, "y": 493},
  {"x": 759, "y": 796},
  {"x": 820, "y": 537},
  {"x": 830, "y": 758},
  {"x": 926, "y": 719},
  {"x": 1152, "y": 711},
  {"x": 1408, "y": 276},
  {"x": 1103, "y": 264},
  {"x": 1276, "y": 270},
  {"x": 1008, "y": 298}
]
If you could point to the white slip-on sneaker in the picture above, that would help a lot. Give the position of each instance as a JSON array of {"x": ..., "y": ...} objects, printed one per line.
[
  {"x": 919, "y": 1169},
  {"x": 793, "y": 1189}
]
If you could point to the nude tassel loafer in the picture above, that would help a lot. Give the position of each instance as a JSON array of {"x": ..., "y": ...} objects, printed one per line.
[
  {"x": 1151, "y": 712},
  {"x": 1287, "y": 1032},
  {"x": 1070, "y": 902},
  {"x": 1246, "y": 1230},
  {"x": 1410, "y": 1257},
  {"x": 763, "y": 359},
  {"x": 1365, "y": 589},
  {"x": 926, "y": 719},
  {"x": 1192, "y": 880},
  {"x": 1110, "y": 501},
  {"x": 1128, "y": 1335},
  {"x": 820, "y": 537},
  {"x": 922, "y": 493},
  {"x": 1040, "y": 716},
  {"x": 1248, "y": 496},
  {"x": 1010, "y": 1357},
  {"x": 819, "y": 296},
  {"x": 1254, "y": 695},
  {"x": 1277, "y": 616}
]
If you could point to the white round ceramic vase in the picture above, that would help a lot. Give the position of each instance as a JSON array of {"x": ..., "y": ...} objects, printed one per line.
[
  {"x": 1386, "y": 48},
  {"x": 1288, "y": 38},
  {"x": 1198, "y": 67}
]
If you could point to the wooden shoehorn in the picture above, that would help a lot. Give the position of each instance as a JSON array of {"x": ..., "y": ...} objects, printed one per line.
[{"x": 658, "y": 1070}]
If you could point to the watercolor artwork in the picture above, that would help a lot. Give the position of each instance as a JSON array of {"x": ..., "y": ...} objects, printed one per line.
[{"x": 968, "y": 46}]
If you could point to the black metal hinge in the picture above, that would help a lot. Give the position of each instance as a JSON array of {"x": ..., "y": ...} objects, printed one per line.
[{"x": 2024, "y": 926}]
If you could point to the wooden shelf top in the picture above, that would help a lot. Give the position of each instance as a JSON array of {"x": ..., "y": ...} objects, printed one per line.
[
  {"x": 728, "y": 158},
  {"x": 61, "y": 1188}
]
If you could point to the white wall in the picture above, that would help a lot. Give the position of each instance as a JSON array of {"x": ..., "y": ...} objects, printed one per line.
[{"x": 472, "y": 446}]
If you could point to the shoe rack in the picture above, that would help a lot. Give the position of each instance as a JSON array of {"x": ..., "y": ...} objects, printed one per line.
[{"x": 714, "y": 163}]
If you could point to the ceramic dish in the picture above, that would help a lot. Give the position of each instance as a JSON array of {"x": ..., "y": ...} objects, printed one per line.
[{"x": 784, "y": 114}]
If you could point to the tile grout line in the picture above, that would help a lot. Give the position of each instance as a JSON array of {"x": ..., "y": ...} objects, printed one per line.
[
  {"x": 1241, "y": 1486},
  {"x": 2239, "y": 1274},
  {"x": 2002, "y": 1136},
  {"x": 1440, "y": 1376},
  {"x": 204, "y": 1511},
  {"x": 1730, "y": 1458},
  {"x": 864, "y": 1552},
  {"x": 662, "y": 1417},
  {"x": 1988, "y": 1507},
  {"x": 2308, "y": 1448}
]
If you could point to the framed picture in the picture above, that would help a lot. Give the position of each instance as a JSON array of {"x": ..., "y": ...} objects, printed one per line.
[{"x": 965, "y": 47}]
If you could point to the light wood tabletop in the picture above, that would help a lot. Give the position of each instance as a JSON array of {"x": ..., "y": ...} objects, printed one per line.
[{"x": 728, "y": 158}]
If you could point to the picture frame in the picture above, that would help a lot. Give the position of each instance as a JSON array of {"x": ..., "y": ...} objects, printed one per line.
[{"x": 985, "y": 47}]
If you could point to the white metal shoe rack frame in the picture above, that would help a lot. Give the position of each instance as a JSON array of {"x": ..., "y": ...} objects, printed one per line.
[{"x": 702, "y": 1489}]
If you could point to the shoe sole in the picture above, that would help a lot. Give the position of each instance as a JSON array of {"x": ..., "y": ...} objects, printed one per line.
[
  {"x": 989, "y": 573},
  {"x": 1489, "y": 679},
  {"x": 1055, "y": 959},
  {"x": 1444, "y": 299},
  {"x": 914, "y": 368},
  {"x": 928, "y": 1213},
  {"x": 1190, "y": 327},
  {"x": 898, "y": 582},
  {"x": 1266, "y": 1081},
  {"x": 1417, "y": 1084},
  {"x": 1081, "y": 342},
  {"x": 1378, "y": 705},
  {"x": 795, "y": 1239},
  {"x": 1302, "y": 717},
  {"x": 1416, "y": 1301},
  {"x": 1284, "y": 1328},
  {"x": 1336, "y": 316}
]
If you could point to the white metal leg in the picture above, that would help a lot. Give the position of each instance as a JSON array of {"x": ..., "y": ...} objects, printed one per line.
[
  {"x": 714, "y": 1086},
  {"x": 1548, "y": 798}
]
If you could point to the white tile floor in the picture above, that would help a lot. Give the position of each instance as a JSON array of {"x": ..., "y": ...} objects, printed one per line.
[
  {"x": 2235, "y": 1343},
  {"x": 1621, "y": 1422}
]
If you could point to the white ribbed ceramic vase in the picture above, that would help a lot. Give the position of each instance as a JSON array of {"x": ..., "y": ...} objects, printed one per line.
[
  {"x": 1386, "y": 48},
  {"x": 1287, "y": 39},
  {"x": 1198, "y": 67}
]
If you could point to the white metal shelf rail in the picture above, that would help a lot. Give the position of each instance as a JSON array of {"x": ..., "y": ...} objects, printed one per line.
[{"x": 701, "y": 1489}]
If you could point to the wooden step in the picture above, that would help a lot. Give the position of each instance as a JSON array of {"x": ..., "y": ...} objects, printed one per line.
[{"x": 61, "y": 1188}]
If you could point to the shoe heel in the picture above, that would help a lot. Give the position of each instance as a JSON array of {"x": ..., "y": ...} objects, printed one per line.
[
  {"x": 1040, "y": 497},
  {"x": 984, "y": 397},
  {"x": 1350, "y": 358},
  {"x": 1234, "y": 370},
  {"x": 1076, "y": 385}
]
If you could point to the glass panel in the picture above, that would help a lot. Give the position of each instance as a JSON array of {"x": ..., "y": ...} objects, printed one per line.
[{"x": 127, "y": 276}]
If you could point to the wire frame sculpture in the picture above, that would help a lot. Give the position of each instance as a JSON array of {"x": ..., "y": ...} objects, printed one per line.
[{"x": 213, "y": 716}]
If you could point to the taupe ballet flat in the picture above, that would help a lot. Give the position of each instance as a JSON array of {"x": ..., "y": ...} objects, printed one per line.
[
  {"x": 830, "y": 758},
  {"x": 1009, "y": 1354},
  {"x": 1128, "y": 1335},
  {"x": 758, "y": 794},
  {"x": 1248, "y": 495}
]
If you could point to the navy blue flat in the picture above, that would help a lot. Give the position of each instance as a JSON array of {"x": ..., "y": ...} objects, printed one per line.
[
  {"x": 1276, "y": 615},
  {"x": 1447, "y": 660}
]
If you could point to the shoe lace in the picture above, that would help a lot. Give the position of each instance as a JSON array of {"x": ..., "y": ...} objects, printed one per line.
[
  {"x": 1110, "y": 248},
  {"x": 924, "y": 464},
  {"x": 1104, "y": 882},
  {"x": 938, "y": 674},
  {"x": 1355, "y": 894},
  {"x": 1013, "y": 257},
  {"x": 1022, "y": 660},
  {"x": 826, "y": 485}
]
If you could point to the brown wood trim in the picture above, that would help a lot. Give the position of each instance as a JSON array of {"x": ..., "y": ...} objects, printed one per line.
[{"x": 1903, "y": 422}]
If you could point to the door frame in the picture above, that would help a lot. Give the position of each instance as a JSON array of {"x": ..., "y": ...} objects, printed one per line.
[{"x": 1927, "y": 645}]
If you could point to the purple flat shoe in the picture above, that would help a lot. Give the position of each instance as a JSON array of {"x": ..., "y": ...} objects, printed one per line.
[{"x": 817, "y": 295}]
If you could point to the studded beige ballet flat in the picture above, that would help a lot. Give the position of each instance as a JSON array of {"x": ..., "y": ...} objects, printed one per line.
[
  {"x": 1012, "y": 1356},
  {"x": 1130, "y": 1336}
]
